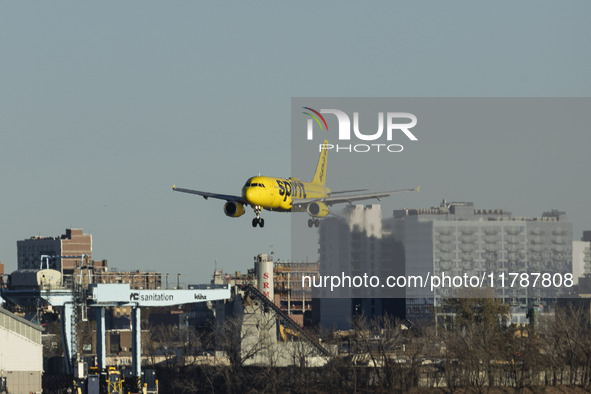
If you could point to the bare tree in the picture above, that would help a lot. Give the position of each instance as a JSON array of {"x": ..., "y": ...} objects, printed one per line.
[
  {"x": 242, "y": 343},
  {"x": 383, "y": 342},
  {"x": 163, "y": 340},
  {"x": 304, "y": 363},
  {"x": 474, "y": 335},
  {"x": 566, "y": 345},
  {"x": 522, "y": 362}
]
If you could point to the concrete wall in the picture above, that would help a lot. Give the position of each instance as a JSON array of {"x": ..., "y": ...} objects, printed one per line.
[
  {"x": 23, "y": 382},
  {"x": 21, "y": 354}
]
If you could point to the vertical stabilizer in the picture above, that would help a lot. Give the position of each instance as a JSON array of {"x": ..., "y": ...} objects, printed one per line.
[{"x": 320, "y": 174}]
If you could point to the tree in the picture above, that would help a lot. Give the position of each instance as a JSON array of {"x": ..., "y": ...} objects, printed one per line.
[
  {"x": 242, "y": 343},
  {"x": 162, "y": 344},
  {"x": 566, "y": 343},
  {"x": 391, "y": 351},
  {"x": 474, "y": 336}
]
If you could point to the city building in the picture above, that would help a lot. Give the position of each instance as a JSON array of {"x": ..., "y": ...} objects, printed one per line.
[
  {"x": 73, "y": 243},
  {"x": 293, "y": 298},
  {"x": 137, "y": 279},
  {"x": 579, "y": 249},
  {"x": 453, "y": 240},
  {"x": 585, "y": 280},
  {"x": 80, "y": 268},
  {"x": 457, "y": 240},
  {"x": 356, "y": 244}
]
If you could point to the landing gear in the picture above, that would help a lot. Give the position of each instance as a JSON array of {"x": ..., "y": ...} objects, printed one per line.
[
  {"x": 313, "y": 223},
  {"x": 258, "y": 221}
]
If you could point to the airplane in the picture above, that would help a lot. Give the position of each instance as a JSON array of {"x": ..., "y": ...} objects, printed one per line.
[{"x": 290, "y": 195}]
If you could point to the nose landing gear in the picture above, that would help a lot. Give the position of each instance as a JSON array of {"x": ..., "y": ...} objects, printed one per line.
[
  {"x": 258, "y": 220},
  {"x": 313, "y": 222}
]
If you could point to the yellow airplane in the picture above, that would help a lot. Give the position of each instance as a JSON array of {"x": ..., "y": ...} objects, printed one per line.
[{"x": 289, "y": 195}]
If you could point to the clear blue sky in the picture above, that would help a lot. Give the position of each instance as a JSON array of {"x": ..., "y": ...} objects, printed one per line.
[{"x": 103, "y": 106}]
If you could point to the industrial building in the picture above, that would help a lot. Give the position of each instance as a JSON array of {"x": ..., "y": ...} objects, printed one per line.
[
  {"x": 288, "y": 293},
  {"x": 248, "y": 325},
  {"x": 21, "y": 355}
]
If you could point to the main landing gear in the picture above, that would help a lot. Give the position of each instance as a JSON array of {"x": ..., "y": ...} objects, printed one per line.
[
  {"x": 258, "y": 220},
  {"x": 313, "y": 222}
]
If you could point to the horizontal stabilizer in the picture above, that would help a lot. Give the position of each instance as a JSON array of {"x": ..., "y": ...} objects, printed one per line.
[
  {"x": 348, "y": 191},
  {"x": 349, "y": 198}
]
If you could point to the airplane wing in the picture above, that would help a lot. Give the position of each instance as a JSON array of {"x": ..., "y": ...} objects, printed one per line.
[
  {"x": 350, "y": 198},
  {"x": 206, "y": 195}
]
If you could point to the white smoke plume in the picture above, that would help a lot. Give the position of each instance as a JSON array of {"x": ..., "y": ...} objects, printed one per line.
[{"x": 365, "y": 218}]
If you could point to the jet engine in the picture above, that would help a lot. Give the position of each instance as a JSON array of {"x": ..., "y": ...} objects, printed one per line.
[
  {"x": 317, "y": 209},
  {"x": 234, "y": 209}
]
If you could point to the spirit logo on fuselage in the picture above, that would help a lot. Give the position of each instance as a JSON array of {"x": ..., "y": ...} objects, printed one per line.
[{"x": 291, "y": 188}]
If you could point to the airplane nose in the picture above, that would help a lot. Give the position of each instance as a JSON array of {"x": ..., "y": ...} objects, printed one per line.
[{"x": 251, "y": 196}]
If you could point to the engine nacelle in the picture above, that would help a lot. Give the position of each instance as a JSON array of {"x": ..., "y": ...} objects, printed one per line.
[
  {"x": 233, "y": 209},
  {"x": 317, "y": 209}
]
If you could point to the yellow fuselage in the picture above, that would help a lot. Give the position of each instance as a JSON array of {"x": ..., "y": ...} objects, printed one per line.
[{"x": 277, "y": 194}]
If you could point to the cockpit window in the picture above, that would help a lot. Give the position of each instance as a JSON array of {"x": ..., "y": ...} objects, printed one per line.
[{"x": 254, "y": 184}]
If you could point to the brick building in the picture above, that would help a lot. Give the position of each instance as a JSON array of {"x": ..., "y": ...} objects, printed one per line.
[{"x": 73, "y": 243}]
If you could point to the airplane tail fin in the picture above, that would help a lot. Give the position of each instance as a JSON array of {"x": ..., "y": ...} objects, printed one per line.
[{"x": 320, "y": 174}]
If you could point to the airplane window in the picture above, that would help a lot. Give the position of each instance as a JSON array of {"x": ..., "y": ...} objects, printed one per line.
[{"x": 246, "y": 184}]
